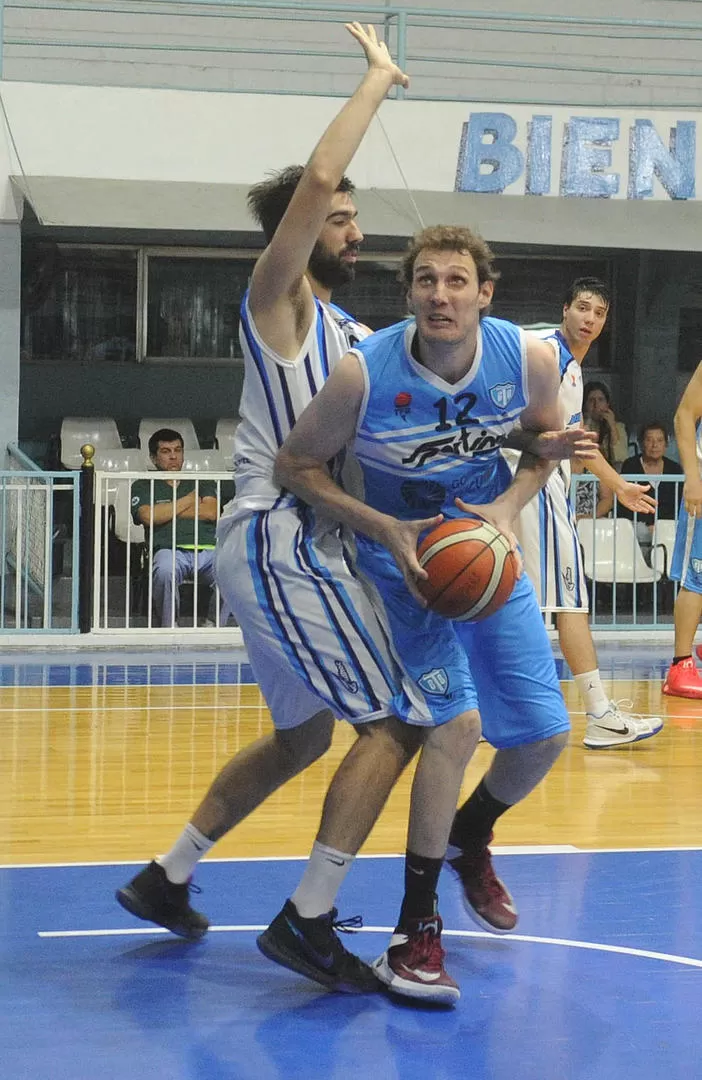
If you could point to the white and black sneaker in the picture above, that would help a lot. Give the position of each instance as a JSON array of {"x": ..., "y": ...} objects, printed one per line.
[{"x": 616, "y": 727}]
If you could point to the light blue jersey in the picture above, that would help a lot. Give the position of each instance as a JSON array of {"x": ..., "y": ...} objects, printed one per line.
[{"x": 421, "y": 441}]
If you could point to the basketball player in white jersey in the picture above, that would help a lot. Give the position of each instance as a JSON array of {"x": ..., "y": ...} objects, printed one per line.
[
  {"x": 314, "y": 642},
  {"x": 683, "y": 678},
  {"x": 547, "y": 528}
]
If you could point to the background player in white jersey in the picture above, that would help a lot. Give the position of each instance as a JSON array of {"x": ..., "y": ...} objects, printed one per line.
[
  {"x": 314, "y": 643},
  {"x": 477, "y": 379},
  {"x": 683, "y": 678},
  {"x": 547, "y": 529}
]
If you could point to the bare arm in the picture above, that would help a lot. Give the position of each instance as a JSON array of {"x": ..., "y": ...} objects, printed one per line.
[
  {"x": 632, "y": 495},
  {"x": 280, "y": 296},
  {"x": 206, "y": 509},
  {"x": 326, "y": 426},
  {"x": 163, "y": 512},
  {"x": 687, "y": 414}
]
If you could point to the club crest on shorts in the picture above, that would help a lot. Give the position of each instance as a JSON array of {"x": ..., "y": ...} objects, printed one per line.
[
  {"x": 568, "y": 579},
  {"x": 345, "y": 677},
  {"x": 696, "y": 565},
  {"x": 502, "y": 394},
  {"x": 434, "y": 682}
]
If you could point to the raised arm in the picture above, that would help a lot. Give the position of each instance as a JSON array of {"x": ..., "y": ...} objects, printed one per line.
[
  {"x": 278, "y": 284},
  {"x": 688, "y": 412}
]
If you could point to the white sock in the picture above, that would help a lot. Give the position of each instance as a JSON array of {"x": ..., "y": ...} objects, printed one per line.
[
  {"x": 321, "y": 881},
  {"x": 185, "y": 854},
  {"x": 592, "y": 692}
]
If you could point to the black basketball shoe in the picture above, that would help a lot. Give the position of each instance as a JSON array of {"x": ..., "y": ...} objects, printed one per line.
[
  {"x": 151, "y": 896},
  {"x": 312, "y": 948}
]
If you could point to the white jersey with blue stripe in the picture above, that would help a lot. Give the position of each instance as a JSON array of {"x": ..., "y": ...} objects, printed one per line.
[
  {"x": 275, "y": 393},
  {"x": 422, "y": 441}
]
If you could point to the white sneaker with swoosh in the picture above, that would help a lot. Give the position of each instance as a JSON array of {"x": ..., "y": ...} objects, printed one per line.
[{"x": 617, "y": 727}]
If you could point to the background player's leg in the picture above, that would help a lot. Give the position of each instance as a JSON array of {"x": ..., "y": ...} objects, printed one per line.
[
  {"x": 524, "y": 717},
  {"x": 608, "y": 725}
]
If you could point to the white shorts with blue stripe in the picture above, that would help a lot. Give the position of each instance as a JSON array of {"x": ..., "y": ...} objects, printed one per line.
[
  {"x": 311, "y": 634},
  {"x": 552, "y": 554}
]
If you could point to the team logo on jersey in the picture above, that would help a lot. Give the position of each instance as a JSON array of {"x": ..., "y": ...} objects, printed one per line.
[
  {"x": 424, "y": 495},
  {"x": 568, "y": 579},
  {"x": 135, "y": 500},
  {"x": 346, "y": 678},
  {"x": 502, "y": 394},
  {"x": 403, "y": 400},
  {"x": 575, "y": 419},
  {"x": 434, "y": 682},
  {"x": 696, "y": 565}
]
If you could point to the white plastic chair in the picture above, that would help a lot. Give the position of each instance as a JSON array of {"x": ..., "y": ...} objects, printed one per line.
[
  {"x": 182, "y": 424},
  {"x": 612, "y": 552},
  {"x": 203, "y": 461},
  {"x": 125, "y": 528},
  {"x": 120, "y": 461},
  {"x": 224, "y": 439},
  {"x": 100, "y": 431}
]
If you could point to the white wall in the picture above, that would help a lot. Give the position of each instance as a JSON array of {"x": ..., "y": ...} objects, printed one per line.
[{"x": 169, "y": 139}]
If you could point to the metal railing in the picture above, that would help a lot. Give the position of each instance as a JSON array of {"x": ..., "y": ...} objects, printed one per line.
[
  {"x": 139, "y": 585},
  {"x": 627, "y": 560},
  {"x": 39, "y": 516},
  {"x": 293, "y": 47}
]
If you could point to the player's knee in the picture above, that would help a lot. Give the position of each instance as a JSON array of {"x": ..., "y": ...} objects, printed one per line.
[
  {"x": 551, "y": 748},
  {"x": 303, "y": 745},
  {"x": 391, "y": 738},
  {"x": 458, "y": 738}
]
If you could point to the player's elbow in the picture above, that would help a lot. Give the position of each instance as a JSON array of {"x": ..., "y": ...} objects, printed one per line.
[
  {"x": 320, "y": 180},
  {"x": 285, "y": 468}
]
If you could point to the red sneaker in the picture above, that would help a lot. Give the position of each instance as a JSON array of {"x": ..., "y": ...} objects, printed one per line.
[
  {"x": 413, "y": 965},
  {"x": 683, "y": 680},
  {"x": 485, "y": 897}
]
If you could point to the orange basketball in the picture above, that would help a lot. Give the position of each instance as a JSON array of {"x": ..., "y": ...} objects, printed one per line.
[{"x": 471, "y": 568}]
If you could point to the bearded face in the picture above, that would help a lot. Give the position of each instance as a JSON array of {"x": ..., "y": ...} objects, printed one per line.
[{"x": 333, "y": 269}]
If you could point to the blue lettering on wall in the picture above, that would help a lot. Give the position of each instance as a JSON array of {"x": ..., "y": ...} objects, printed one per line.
[
  {"x": 675, "y": 168},
  {"x": 587, "y": 154},
  {"x": 538, "y": 162},
  {"x": 487, "y": 139},
  {"x": 490, "y": 157}
]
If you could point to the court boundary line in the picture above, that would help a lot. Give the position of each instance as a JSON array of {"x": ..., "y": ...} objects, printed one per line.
[
  {"x": 530, "y": 939},
  {"x": 507, "y": 849}
]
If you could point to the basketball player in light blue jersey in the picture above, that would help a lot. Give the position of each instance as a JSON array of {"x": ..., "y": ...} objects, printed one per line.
[
  {"x": 315, "y": 645},
  {"x": 548, "y": 534},
  {"x": 426, "y": 406},
  {"x": 683, "y": 677}
]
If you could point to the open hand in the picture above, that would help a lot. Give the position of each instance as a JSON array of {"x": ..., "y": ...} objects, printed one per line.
[
  {"x": 634, "y": 498},
  {"x": 401, "y": 538},
  {"x": 570, "y": 443},
  {"x": 376, "y": 52}
]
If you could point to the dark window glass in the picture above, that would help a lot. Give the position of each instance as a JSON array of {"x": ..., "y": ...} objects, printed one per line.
[
  {"x": 193, "y": 306},
  {"x": 78, "y": 304},
  {"x": 689, "y": 339},
  {"x": 375, "y": 297}
]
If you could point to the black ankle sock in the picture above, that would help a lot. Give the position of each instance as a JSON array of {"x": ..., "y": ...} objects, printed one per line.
[
  {"x": 421, "y": 880},
  {"x": 474, "y": 820},
  {"x": 677, "y": 659}
]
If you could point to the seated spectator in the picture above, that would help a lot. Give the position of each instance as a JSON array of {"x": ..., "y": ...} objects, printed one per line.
[
  {"x": 653, "y": 462},
  {"x": 181, "y": 523},
  {"x": 598, "y": 416},
  {"x": 587, "y": 491}
]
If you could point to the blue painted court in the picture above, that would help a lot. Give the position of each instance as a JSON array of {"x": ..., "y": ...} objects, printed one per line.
[{"x": 603, "y": 981}]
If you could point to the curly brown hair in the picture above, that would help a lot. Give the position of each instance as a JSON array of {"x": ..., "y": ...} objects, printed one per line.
[{"x": 449, "y": 238}]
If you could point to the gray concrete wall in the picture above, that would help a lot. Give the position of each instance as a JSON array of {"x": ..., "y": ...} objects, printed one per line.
[{"x": 501, "y": 58}]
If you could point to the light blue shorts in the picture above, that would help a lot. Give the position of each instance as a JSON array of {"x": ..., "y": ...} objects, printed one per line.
[
  {"x": 502, "y": 665},
  {"x": 693, "y": 577}
]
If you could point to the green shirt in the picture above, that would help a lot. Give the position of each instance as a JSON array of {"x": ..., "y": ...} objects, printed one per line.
[{"x": 184, "y": 527}]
